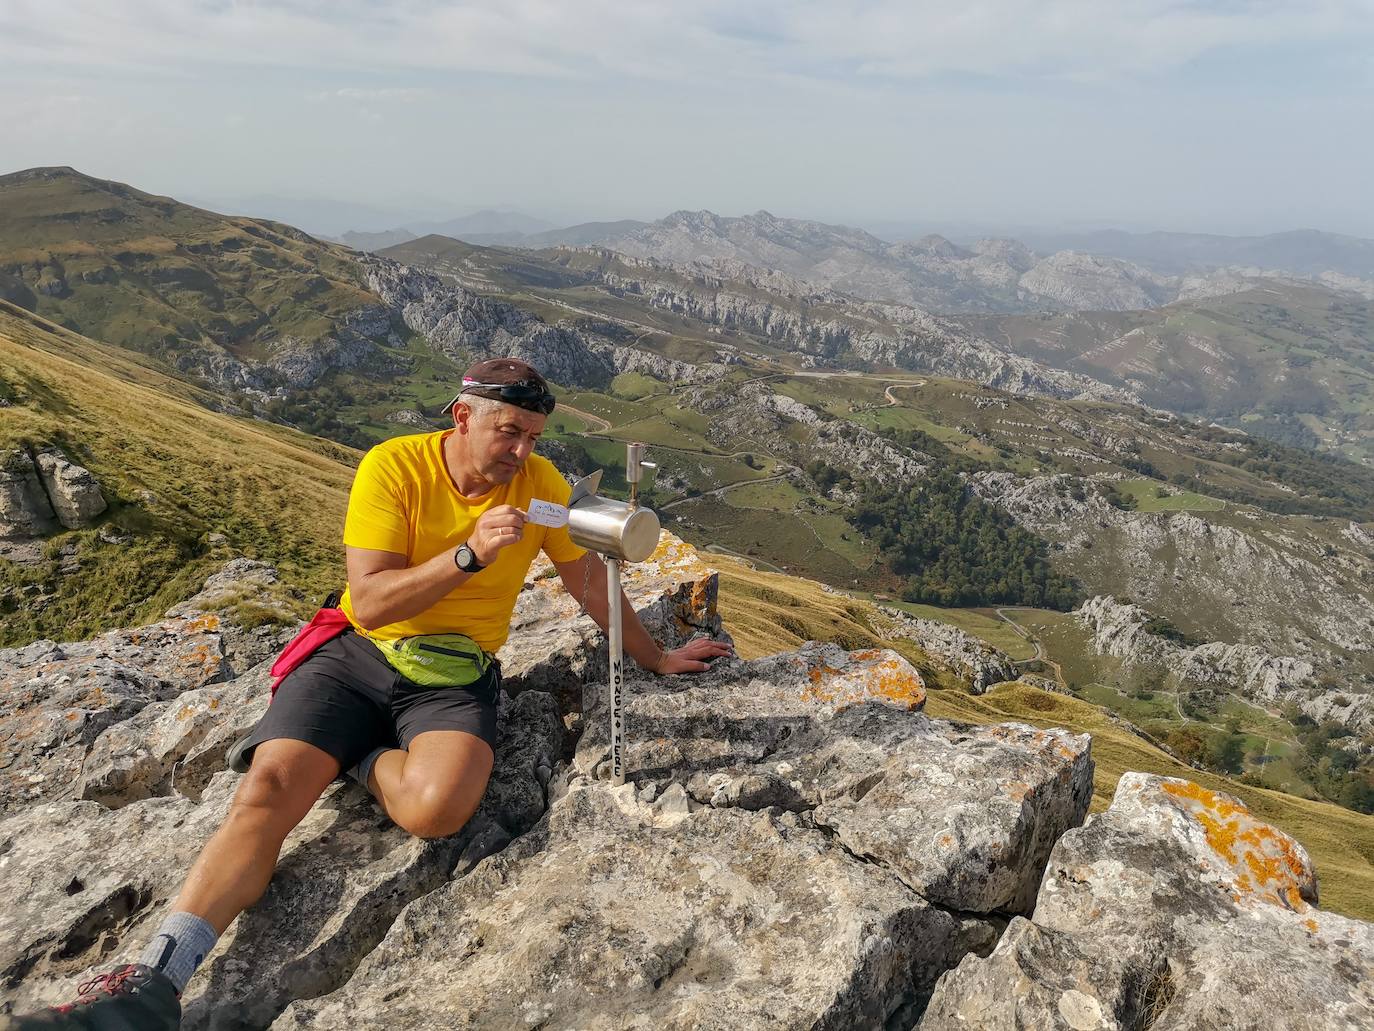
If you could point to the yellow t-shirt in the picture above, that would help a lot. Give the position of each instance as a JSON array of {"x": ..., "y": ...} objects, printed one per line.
[{"x": 404, "y": 501}]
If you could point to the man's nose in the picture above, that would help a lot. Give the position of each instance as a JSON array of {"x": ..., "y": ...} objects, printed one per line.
[{"x": 522, "y": 449}]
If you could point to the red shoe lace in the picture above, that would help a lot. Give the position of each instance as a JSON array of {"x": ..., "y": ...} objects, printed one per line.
[{"x": 110, "y": 982}]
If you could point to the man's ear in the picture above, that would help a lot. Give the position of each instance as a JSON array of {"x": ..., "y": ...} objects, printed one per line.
[{"x": 462, "y": 416}]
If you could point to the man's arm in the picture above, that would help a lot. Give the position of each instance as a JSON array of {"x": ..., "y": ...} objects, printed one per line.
[
  {"x": 384, "y": 590},
  {"x": 590, "y": 571}
]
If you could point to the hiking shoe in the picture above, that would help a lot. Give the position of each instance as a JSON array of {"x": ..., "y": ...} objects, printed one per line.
[
  {"x": 237, "y": 757},
  {"x": 129, "y": 998}
]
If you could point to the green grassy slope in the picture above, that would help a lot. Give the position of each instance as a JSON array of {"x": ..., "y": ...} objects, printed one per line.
[
  {"x": 173, "y": 472},
  {"x": 152, "y": 274},
  {"x": 1288, "y": 360}
]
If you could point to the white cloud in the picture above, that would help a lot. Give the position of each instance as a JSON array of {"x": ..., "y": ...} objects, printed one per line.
[{"x": 683, "y": 40}]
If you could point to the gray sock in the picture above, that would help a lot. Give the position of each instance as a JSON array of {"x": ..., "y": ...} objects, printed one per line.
[
  {"x": 363, "y": 771},
  {"x": 180, "y": 945}
]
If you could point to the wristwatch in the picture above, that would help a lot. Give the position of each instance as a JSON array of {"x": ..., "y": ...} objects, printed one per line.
[{"x": 466, "y": 559}]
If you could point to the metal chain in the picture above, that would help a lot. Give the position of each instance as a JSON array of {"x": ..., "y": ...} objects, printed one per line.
[{"x": 586, "y": 584}]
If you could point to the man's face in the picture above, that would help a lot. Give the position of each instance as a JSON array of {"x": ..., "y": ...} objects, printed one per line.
[{"x": 500, "y": 437}]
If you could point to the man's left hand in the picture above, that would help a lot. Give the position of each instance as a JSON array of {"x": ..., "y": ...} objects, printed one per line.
[{"x": 694, "y": 656}]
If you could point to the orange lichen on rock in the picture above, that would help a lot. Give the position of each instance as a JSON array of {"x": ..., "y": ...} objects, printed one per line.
[
  {"x": 871, "y": 676},
  {"x": 1265, "y": 863},
  {"x": 208, "y": 621}
]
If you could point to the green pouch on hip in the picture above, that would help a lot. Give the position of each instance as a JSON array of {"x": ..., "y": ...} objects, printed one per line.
[{"x": 437, "y": 660}]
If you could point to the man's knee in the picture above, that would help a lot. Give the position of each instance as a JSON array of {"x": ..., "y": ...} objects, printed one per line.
[
  {"x": 282, "y": 784},
  {"x": 435, "y": 812}
]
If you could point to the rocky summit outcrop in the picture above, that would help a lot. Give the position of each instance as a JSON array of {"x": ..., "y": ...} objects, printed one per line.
[
  {"x": 1174, "y": 910},
  {"x": 44, "y": 490},
  {"x": 797, "y": 845},
  {"x": 788, "y": 852}
]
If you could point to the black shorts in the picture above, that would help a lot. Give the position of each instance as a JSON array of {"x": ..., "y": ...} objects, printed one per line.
[{"x": 347, "y": 700}]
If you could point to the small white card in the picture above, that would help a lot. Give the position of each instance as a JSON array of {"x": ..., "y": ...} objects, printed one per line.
[{"x": 546, "y": 513}]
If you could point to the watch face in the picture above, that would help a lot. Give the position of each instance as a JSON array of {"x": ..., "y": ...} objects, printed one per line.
[{"x": 466, "y": 559}]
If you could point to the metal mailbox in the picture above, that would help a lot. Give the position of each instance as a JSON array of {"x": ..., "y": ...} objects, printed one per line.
[{"x": 616, "y": 529}]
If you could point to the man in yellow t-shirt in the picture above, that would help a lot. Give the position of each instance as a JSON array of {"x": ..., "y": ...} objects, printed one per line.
[{"x": 437, "y": 542}]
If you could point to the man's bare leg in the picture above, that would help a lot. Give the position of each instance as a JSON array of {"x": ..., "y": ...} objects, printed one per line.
[
  {"x": 432, "y": 789},
  {"x": 234, "y": 868}
]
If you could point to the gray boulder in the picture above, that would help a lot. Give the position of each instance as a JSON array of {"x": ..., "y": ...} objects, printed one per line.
[
  {"x": 616, "y": 915},
  {"x": 25, "y": 510},
  {"x": 60, "y": 698},
  {"x": 966, "y": 816},
  {"x": 1175, "y": 909},
  {"x": 75, "y": 495},
  {"x": 74, "y": 723}
]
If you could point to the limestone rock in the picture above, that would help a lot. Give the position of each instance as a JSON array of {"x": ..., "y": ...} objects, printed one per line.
[
  {"x": 465, "y": 325},
  {"x": 61, "y": 697},
  {"x": 1284, "y": 620},
  {"x": 409, "y": 417},
  {"x": 733, "y": 295},
  {"x": 1087, "y": 282},
  {"x": 144, "y": 756},
  {"x": 78, "y": 878},
  {"x": 611, "y": 915},
  {"x": 964, "y": 655},
  {"x": 25, "y": 510},
  {"x": 103, "y": 881},
  {"x": 966, "y": 816},
  {"x": 1175, "y": 909},
  {"x": 75, "y": 495}
]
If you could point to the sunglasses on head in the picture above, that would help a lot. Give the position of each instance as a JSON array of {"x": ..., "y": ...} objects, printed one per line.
[{"x": 523, "y": 395}]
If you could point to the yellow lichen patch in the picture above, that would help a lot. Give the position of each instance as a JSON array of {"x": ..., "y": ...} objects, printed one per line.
[
  {"x": 209, "y": 621},
  {"x": 1265, "y": 863},
  {"x": 1018, "y": 790},
  {"x": 1310, "y": 924},
  {"x": 889, "y": 679}
]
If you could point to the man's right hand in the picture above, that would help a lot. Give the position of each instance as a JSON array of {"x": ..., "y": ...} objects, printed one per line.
[{"x": 496, "y": 529}]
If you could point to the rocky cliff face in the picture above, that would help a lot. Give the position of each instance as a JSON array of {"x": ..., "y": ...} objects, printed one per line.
[
  {"x": 464, "y": 325},
  {"x": 839, "y": 329},
  {"x": 798, "y": 845},
  {"x": 1285, "y": 612},
  {"x": 991, "y": 276},
  {"x": 1122, "y": 630},
  {"x": 753, "y": 411}
]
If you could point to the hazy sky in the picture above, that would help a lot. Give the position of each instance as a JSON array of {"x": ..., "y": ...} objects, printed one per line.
[{"x": 1222, "y": 116}]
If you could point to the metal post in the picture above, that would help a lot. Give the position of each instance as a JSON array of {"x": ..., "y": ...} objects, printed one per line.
[{"x": 617, "y": 672}]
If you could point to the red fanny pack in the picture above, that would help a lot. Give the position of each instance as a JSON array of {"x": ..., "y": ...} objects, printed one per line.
[{"x": 326, "y": 625}]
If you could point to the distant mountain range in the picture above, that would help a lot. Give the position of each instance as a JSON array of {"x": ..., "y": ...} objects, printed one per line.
[
  {"x": 1304, "y": 252},
  {"x": 1107, "y": 271}
]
